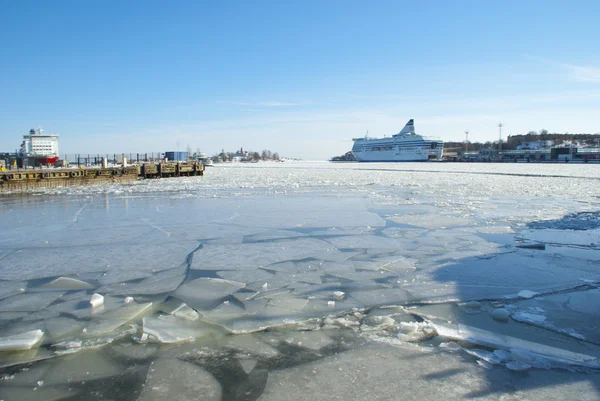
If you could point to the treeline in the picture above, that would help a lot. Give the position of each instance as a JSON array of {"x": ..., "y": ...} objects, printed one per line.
[
  {"x": 248, "y": 156},
  {"x": 513, "y": 141}
]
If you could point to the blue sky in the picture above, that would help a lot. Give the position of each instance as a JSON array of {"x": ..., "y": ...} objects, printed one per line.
[{"x": 299, "y": 78}]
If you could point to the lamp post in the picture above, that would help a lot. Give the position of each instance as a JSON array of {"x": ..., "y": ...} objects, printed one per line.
[{"x": 500, "y": 139}]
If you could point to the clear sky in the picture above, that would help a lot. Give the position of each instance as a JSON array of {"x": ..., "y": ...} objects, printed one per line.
[{"x": 298, "y": 77}]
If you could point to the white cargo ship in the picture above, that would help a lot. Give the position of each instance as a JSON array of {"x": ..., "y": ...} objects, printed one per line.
[{"x": 405, "y": 146}]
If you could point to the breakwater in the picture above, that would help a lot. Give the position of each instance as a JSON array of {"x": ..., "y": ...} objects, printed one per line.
[{"x": 31, "y": 179}]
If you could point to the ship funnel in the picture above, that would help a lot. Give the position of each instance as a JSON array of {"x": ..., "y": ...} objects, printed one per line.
[{"x": 409, "y": 128}]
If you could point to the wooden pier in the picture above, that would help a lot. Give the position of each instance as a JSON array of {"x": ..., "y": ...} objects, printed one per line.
[{"x": 30, "y": 179}]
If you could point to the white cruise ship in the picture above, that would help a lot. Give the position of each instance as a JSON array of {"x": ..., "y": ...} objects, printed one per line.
[{"x": 405, "y": 146}]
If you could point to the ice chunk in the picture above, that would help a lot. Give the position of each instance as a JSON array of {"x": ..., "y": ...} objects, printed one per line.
[
  {"x": 415, "y": 331},
  {"x": 377, "y": 323},
  {"x": 172, "y": 379},
  {"x": 527, "y": 294},
  {"x": 20, "y": 342},
  {"x": 110, "y": 321},
  {"x": 205, "y": 293},
  {"x": 557, "y": 357},
  {"x": 248, "y": 364},
  {"x": 67, "y": 283},
  {"x": 60, "y": 327},
  {"x": 252, "y": 344},
  {"x": 517, "y": 366},
  {"x": 169, "y": 329},
  {"x": 500, "y": 314},
  {"x": 81, "y": 308},
  {"x": 487, "y": 356},
  {"x": 185, "y": 312},
  {"x": 96, "y": 300}
]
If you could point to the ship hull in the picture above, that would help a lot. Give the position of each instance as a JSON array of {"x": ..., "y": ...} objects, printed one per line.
[{"x": 391, "y": 156}]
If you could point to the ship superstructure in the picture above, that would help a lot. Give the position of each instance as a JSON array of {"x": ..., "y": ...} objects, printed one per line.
[
  {"x": 40, "y": 145},
  {"x": 405, "y": 146}
]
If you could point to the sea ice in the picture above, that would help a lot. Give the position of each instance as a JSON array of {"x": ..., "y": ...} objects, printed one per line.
[
  {"x": 96, "y": 300},
  {"x": 60, "y": 327},
  {"x": 546, "y": 354},
  {"x": 500, "y": 314},
  {"x": 170, "y": 329},
  {"x": 205, "y": 293},
  {"x": 248, "y": 364},
  {"x": 185, "y": 312},
  {"x": 10, "y": 288},
  {"x": 110, "y": 321},
  {"x": 20, "y": 342},
  {"x": 251, "y": 344},
  {"x": 527, "y": 294},
  {"x": 172, "y": 379},
  {"x": 28, "y": 302},
  {"x": 120, "y": 276},
  {"x": 382, "y": 297},
  {"x": 67, "y": 283}
]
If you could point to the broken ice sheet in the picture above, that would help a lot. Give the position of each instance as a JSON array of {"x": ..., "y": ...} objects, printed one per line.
[
  {"x": 80, "y": 307},
  {"x": 21, "y": 341},
  {"x": 272, "y": 235},
  {"x": 172, "y": 379},
  {"x": 170, "y": 329},
  {"x": 110, "y": 321},
  {"x": 390, "y": 262},
  {"x": 60, "y": 327},
  {"x": 314, "y": 340},
  {"x": 250, "y": 343},
  {"x": 541, "y": 355},
  {"x": 250, "y": 256},
  {"x": 84, "y": 366},
  {"x": 573, "y": 313},
  {"x": 387, "y": 296},
  {"x": 159, "y": 283},
  {"x": 433, "y": 221},
  {"x": 9, "y": 288},
  {"x": 246, "y": 276},
  {"x": 38, "y": 263},
  {"x": 364, "y": 241},
  {"x": 28, "y": 302},
  {"x": 120, "y": 276},
  {"x": 206, "y": 293},
  {"x": 67, "y": 283}
]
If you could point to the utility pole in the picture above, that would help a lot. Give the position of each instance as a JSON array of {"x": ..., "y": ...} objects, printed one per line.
[
  {"x": 500, "y": 140},
  {"x": 467, "y": 141}
]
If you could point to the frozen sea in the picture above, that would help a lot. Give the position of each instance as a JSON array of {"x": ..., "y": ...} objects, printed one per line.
[{"x": 306, "y": 281}]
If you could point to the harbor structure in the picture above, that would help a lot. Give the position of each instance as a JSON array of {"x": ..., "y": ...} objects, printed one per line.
[{"x": 35, "y": 179}]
